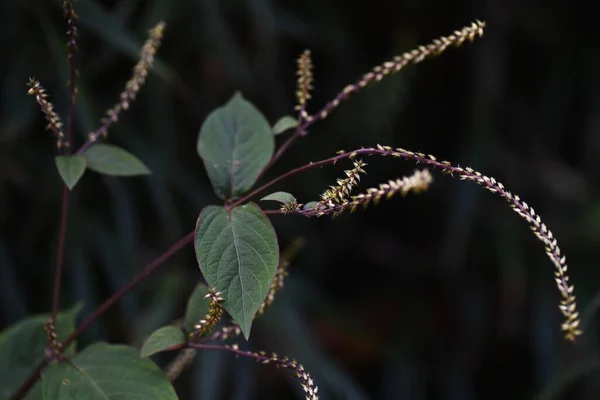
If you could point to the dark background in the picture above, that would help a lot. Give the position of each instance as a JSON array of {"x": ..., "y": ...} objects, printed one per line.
[{"x": 445, "y": 295}]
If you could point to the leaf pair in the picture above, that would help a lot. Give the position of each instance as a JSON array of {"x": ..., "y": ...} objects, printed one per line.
[
  {"x": 103, "y": 158},
  {"x": 237, "y": 248}
]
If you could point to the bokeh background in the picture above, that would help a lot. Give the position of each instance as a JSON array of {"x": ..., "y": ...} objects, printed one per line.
[{"x": 445, "y": 295}]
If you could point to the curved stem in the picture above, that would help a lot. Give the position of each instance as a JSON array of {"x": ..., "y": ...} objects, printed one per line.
[
  {"x": 148, "y": 269},
  {"x": 92, "y": 137},
  {"x": 331, "y": 160}
]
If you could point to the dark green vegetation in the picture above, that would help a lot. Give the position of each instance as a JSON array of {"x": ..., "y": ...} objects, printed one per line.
[{"x": 446, "y": 293}]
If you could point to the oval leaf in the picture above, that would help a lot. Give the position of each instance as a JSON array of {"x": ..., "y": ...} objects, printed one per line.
[
  {"x": 197, "y": 307},
  {"x": 282, "y": 197},
  {"x": 237, "y": 253},
  {"x": 284, "y": 123},
  {"x": 22, "y": 347},
  {"x": 71, "y": 169},
  {"x": 105, "y": 371},
  {"x": 112, "y": 160},
  {"x": 235, "y": 143},
  {"x": 162, "y": 339}
]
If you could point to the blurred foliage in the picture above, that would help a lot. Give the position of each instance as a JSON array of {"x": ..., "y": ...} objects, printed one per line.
[{"x": 445, "y": 295}]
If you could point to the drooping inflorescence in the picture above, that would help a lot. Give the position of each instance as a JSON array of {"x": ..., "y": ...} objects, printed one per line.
[
  {"x": 311, "y": 390},
  {"x": 567, "y": 306}
]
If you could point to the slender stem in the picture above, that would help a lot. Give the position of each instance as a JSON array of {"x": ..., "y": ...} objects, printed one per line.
[
  {"x": 282, "y": 149},
  {"x": 95, "y": 135},
  {"x": 219, "y": 347},
  {"x": 230, "y": 349},
  {"x": 72, "y": 49},
  {"x": 331, "y": 160},
  {"x": 60, "y": 253},
  {"x": 272, "y": 212},
  {"x": 30, "y": 381},
  {"x": 148, "y": 269}
]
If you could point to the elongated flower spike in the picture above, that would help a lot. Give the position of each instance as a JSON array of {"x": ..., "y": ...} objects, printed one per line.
[
  {"x": 213, "y": 316},
  {"x": 567, "y": 304},
  {"x": 421, "y": 53},
  {"x": 311, "y": 390},
  {"x": 133, "y": 85},
  {"x": 339, "y": 193},
  {"x": 304, "y": 83},
  {"x": 55, "y": 124},
  {"x": 416, "y": 183}
]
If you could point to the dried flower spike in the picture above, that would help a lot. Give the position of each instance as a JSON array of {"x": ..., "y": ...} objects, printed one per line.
[
  {"x": 54, "y": 345},
  {"x": 468, "y": 33},
  {"x": 309, "y": 387},
  {"x": 54, "y": 123},
  {"x": 290, "y": 208},
  {"x": 338, "y": 194},
  {"x": 567, "y": 304},
  {"x": 276, "y": 286},
  {"x": 132, "y": 87},
  {"x": 304, "y": 85},
  {"x": 417, "y": 182},
  {"x": 214, "y": 315}
]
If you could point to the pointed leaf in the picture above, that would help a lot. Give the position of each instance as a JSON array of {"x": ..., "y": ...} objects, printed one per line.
[
  {"x": 284, "y": 123},
  {"x": 197, "y": 307},
  {"x": 22, "y": 347},
  {"x": 71, "y": 169},
  {"x": 162, "y": 339},
  {"x": 235, "y": 143},
  {"x": 105, "y": 371},
  {"x": 282, "y": 197},
  {"x": 237, "y": 253},
  {"x": 112, "y": 160}
]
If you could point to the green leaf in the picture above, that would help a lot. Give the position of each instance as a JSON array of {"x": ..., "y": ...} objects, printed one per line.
[
  {"x": 282, "y": 197},
  {"x": 237, "y": 253},
  {"x": 236, "y": 144},
  {"x": 161, "y": 339},
  {"x": 71, "y": 169},
  {"x": 112, "y": 160},
  {"x": 197, "y": 307},
  {"x": 22, "y": 347},
  {"x": 284, "y": 123},
  {"x": 105, "y": 371},
  {"x": 310, "y": 205}
]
